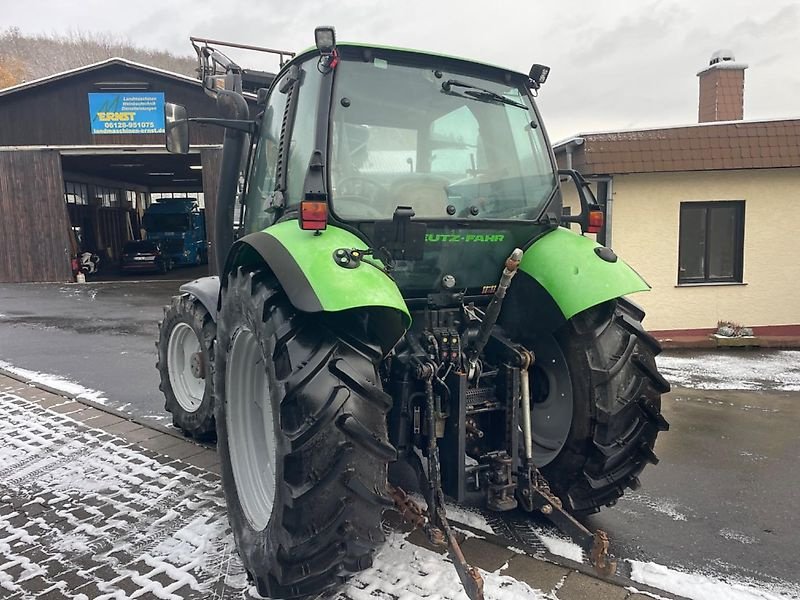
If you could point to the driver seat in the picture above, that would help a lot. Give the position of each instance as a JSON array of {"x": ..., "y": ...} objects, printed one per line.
[{"x": 426, "y": 193}]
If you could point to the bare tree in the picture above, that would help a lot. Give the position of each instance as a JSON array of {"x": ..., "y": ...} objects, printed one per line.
[
  {"x": 26, "y": 57},
  {"x": 12, "y": 71}
]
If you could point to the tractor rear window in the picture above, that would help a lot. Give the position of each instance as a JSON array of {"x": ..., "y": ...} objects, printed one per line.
[{"x": 447, "y": 144}]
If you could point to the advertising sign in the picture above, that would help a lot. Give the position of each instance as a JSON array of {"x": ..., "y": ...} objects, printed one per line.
[{"x": 126, "y": 112}]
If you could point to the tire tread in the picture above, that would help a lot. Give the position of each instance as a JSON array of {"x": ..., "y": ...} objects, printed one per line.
[
  {"x": 333, "y": 418},
  {"x": 186, "y": 308},
  {"x": 625, "y": 408}
]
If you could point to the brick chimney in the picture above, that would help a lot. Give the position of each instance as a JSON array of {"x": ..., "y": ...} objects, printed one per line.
[{"x": 722, "y": 89}]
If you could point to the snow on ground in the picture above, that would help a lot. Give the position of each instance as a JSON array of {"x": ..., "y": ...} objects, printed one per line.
[
  {"x": 562, "y": 546},
  {"x": 56, "y": 382},
  {"x": 733, "y": 370},
  {"x": 402, "y": 570},
  {"x": 463, "y": 515},
  {"x": 107, "y": 508},
  {"x": 699, "y": 586},
  {"x": 664, "y": 506},
  {"x": 98, "y": 504},
  {"x": 737, "y": 536}
]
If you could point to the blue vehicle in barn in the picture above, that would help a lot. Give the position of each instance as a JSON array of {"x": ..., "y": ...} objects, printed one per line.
[{"x": 179, "y": 225}]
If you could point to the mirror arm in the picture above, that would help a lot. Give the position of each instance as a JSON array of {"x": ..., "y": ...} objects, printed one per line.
[
  {"x": 586, "y": 206},
  {"x": 238, "y": 125}
]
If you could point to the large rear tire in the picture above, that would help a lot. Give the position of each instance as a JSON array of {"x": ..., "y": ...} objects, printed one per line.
[
  {"x": 605, "y": 361},
  {"x": 186, "y": 365},
  {"x": 302, "y": 440}
]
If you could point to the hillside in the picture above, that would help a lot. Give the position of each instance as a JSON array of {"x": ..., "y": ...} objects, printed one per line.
[{"x": 26, "y": 57}]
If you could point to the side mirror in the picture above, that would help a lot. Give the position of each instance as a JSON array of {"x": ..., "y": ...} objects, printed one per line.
[
  {"x": 177, "y": 128},
  {"x": 591, "y": 217}
]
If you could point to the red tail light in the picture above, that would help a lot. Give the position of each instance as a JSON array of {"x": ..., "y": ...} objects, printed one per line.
[
  {"x": 595, "y": 221},
  {"x": 313, "y": 215}
]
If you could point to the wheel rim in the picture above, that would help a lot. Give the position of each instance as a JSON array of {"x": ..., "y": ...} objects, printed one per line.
[
  {"x": 551, "y": 403},
  {"x": 251, "y": 430},
  {"x": 188, "y": 389}
]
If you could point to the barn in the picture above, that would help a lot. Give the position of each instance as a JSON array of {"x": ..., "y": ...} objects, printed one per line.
[{"x": 82, "y": 156}]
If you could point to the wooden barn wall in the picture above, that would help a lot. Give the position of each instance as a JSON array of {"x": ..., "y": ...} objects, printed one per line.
[
  {"x": 57, "y": 113},
  {"x": 34, "y": 226},
  {"x": 211, "y": 159}
]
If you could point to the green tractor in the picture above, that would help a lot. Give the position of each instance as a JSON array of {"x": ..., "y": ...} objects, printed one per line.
[{"x": 402, "y": 299}]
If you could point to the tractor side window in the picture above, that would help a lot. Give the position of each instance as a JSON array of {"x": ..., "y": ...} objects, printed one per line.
[
  {"x": 261, "y": 183},
  {"x": 455, "y": 143},
  {"x": 304, "y": 131},
  {"x": 531, "y": 149}
]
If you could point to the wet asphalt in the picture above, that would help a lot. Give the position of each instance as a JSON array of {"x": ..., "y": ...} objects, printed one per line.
[
  {"x": 724, "y": 497},
  {"x": 100, "y": 335},
  {"x": 723, "y": 500}
]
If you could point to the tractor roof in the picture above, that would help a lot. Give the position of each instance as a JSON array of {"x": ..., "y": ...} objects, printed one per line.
[{"x": 312, "y": 50}]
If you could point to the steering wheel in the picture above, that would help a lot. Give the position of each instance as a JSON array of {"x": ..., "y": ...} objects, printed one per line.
[
  {"x": 352, "y": 190},
  {"x": 358, "y": 183}
]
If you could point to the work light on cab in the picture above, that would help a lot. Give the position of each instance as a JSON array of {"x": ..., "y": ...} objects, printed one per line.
[
  {"x": 325, "y": 38},
  {"x": 538, "y": 75}
]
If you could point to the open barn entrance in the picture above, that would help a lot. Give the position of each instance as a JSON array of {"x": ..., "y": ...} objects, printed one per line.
[{"x": 110, "y": 198}]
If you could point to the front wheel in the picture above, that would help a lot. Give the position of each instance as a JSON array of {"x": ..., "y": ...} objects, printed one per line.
[
  {"x": 186, "y": 365},
  {"x": 302, "y": 440},
  {"x": 596, "y": 405}
]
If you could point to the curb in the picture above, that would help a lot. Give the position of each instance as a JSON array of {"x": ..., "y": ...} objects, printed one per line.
[
  {"x": 102, "y": 407},
  {"x": 734, "y": 343},
  {"x": 561, "y": 561}
]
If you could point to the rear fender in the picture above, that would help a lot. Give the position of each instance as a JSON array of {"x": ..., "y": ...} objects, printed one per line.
[
  {"x": 307, "y": 270},
  {"x": 577, "y": 272}
]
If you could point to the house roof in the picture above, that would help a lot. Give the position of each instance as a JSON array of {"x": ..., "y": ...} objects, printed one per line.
[
  {"x": 698, "y": 147},
  {"x": 93, "y": 67}
]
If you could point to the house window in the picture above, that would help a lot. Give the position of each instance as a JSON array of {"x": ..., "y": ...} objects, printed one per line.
[{"x": 711, "y": 242}]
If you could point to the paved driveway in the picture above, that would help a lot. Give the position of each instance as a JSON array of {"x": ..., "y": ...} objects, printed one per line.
[
  {"x": 88, "y": 514},
  {"x": 99, "y": 335}
]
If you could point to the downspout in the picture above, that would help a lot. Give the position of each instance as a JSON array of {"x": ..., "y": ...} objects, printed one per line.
[
  {"x": 609, "y": 210},
  {"x": 571, "y": 145}
]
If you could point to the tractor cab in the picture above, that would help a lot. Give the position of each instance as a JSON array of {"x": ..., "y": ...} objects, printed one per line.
[
  {"x": 460, "y": 144},
  {"x": 439, "y": 165}
]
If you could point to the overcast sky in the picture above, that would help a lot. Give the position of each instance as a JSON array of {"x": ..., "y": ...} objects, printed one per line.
[{"x": 615, "y": 64}]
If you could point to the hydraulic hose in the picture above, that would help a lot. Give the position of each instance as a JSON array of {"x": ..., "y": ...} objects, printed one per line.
[{"x": 496, "y": 303}]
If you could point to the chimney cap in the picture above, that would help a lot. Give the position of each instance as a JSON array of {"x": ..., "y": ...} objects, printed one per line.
[
  {"x": 722, "y": 55},
  {"x": 723, "y": 59}
]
